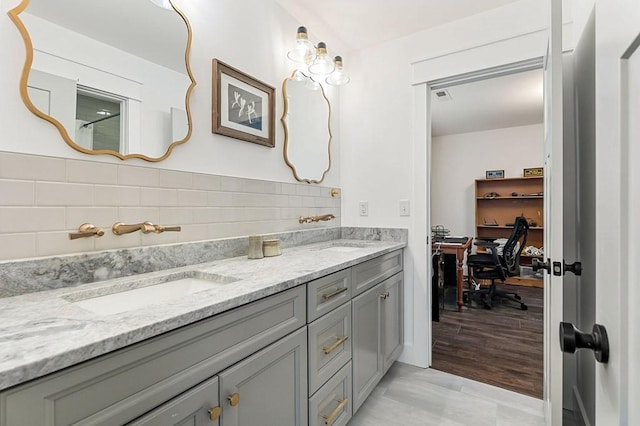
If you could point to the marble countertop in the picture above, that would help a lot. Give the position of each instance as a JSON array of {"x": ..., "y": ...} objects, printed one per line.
[{"x": 44, "y": 332}]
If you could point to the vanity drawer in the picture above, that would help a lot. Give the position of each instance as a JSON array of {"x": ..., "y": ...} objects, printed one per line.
[
  {"x": 327, "y": 293},
  {"x": 331, "y": 405},
  {"x": 367, "y": 274},
  {"x": 118, "y": 387},
  {"x": 329, "y": 345}
]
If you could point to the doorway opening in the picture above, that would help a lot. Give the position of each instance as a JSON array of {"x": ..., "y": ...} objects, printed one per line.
[{"x": 487, "y": 144}]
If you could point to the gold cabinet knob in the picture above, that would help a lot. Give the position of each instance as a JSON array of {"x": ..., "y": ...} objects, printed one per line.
[
  {"x": 234, "y": 399},
  {"x": 214, "y": 413}
]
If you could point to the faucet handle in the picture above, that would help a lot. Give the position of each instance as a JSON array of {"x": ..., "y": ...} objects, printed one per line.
[
  {"x": 87, "y": 230},
  {"x": 158, "y": 229}
]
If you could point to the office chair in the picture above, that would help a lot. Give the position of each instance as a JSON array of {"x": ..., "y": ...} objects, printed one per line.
[{"x": 493, "y": 266}]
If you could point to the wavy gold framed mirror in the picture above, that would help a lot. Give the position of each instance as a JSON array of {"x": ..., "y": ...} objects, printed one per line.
[
  {"x": 113, "y": 77},
  {"x": 307, "y": 128}
]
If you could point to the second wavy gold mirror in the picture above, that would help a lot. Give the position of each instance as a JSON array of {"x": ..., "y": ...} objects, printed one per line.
[
  {"x": 112, "y": 76},
  {"x": 307, "y": 128}
]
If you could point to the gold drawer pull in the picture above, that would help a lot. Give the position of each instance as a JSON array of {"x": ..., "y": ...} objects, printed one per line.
[
  {"x": 327, "y": 296},
  {"x": 331, "y": 417},
  {"x": 328, "y": 349},
  {"x": 234, "y": 399},
  {"x": 214, "y": 413}
]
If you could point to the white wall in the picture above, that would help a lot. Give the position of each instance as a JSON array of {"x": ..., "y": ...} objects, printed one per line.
[
  {"x": 252, "y": 36},
  {"x": 458, "y": 160}
]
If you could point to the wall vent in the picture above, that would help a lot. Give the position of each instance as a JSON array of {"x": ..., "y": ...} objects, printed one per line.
[{"x": 442, "y": 95}]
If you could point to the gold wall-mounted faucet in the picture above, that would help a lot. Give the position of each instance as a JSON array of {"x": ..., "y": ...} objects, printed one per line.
[
  {"x": 120, "y": 228},
  {"x": 87, "y": 230},
  {"x": 309, "y": 219}
]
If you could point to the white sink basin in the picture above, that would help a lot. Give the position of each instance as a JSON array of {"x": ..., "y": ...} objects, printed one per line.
[
  {"x": 152, "y": 293},
  {"x": 345, "y": 246}
]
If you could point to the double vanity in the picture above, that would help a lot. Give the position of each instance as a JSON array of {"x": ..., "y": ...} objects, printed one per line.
[{"x": 297, "y": 339}]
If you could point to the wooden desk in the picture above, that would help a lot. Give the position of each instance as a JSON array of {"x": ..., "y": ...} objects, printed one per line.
[{"x": 457, "y": 249}]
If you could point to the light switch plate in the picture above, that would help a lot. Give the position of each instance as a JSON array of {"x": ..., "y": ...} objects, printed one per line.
[
  {"x": 404, "y": 208},
  {"x": 363, "y": 208}
]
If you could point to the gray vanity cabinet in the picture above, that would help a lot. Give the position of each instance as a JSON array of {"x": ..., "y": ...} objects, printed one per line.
[
  {"x": 377, "y": 335},
  {"x": 269, "y": 388},
  {"x": 392, "y": 320},
  {"x": 196, "y": 407}
]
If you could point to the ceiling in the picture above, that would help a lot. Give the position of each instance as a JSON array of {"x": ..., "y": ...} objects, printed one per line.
[
  {"x": 357, "y": 24},
  {"x": 506, "y": 101}
]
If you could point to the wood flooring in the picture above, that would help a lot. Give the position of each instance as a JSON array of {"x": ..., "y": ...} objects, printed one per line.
[{"x": 500, "y": 347}]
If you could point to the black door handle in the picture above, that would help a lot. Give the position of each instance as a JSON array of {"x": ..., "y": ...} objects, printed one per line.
[
  {"x": 536, "y": 264},
  {"x": 575, "y": 267},
  {"x": 571, "y": 339}
]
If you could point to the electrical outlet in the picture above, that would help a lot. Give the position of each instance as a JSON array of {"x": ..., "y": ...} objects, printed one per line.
[
  {"x": 404, "y": 208},
  {"x": 363, "y": 208}
]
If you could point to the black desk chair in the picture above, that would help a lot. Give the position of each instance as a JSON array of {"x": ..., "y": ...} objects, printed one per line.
[{"x": 493, "y": 266}]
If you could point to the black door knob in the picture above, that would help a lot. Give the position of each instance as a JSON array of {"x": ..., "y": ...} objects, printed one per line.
[
  {"x": 571, "y": 339},
  {"x": 536, "y": 264},
  {"x": 575, "y": 267}
]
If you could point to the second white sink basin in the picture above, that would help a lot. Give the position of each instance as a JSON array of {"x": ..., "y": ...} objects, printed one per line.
[{"x": 152, "y": 294}]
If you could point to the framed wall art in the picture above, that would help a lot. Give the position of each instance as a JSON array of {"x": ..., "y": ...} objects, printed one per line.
[
  {"x": 243, "y": 107},
  {"x": 494, "y": 174}
]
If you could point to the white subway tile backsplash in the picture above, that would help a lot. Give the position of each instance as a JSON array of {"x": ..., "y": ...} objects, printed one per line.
[
  {"x": 220, "y": 199},
  {"x": 260, "y": 186},
  {"x": 302, "y": 189},
  {"x": 53, "y": 243},
  {"x": 42, "y": 199},
  {"x": 176, "y": 179},
  {"x": 138, "y": 214},
  {"x": 31, "y": 167},
  {"x": 176, "y": 216},
  {"x": 84, "y": 172},
  {"x": 98, "y": 216},
  {"x": 192, "y": 198},
  {"x": 158, "y": 197},
  {"x": 63, "y": 194},
  {"x": 206, "y": 182},
  {"x": 138, "y": 176},
  {"x": 17, "y": 193},
  {"x": 195, "y": 232},
  {"x": 111, "y": 195},
  {"x": 29, "y": 219},
  {"x": 17, "y": 246}
]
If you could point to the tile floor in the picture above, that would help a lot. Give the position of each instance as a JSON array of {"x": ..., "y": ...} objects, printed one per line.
[{"x": 409, "y": 396}]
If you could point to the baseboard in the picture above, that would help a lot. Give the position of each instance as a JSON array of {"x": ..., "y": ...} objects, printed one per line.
[{"x": 580, "y": 413}]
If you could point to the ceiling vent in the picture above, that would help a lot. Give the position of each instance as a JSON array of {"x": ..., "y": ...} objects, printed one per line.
[{"x": 442, "y": 95}]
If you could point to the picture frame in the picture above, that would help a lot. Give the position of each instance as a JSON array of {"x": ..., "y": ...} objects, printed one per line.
[
  {"x": 242, "y": 107},
  {"x": 494, "y": 174},
  {"x": 533, "y": 172}
]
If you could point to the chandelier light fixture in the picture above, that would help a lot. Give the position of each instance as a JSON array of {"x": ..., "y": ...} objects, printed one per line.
[{"x": 316, "y": 61}]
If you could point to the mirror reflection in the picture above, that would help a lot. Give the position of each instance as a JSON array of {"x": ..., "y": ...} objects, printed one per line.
[
  {"x": 307, "y": 129},
  {"x": 113, "y": 76}
]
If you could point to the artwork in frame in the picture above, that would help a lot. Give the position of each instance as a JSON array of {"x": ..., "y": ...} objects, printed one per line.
[
  {"x": 243, "y": 107},
  {"x": 494, "y": 174}
]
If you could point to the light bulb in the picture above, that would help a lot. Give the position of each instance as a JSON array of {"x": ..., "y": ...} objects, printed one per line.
[
  {"x": 322, "y": 65},
  {"x": 304, "y": 52},
  {"x": 338, "y": 78}
]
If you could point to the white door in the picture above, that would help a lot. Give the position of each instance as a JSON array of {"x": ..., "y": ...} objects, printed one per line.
[
  {"x": 617, "y": 208},
  {"x": 553, "y": 229}
]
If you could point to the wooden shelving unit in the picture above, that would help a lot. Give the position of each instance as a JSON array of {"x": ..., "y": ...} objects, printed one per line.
[{"x": 500, "y": 201}]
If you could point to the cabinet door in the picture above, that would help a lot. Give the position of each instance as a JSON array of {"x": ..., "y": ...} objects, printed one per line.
[
  {"x": 270, "y": 387},
  {"x": 367, "y": 343},
  {"x": 392, "y": 319},
  {"x": 196, "y": 407}
]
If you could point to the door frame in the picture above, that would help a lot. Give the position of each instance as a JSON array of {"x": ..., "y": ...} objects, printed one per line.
[{"x": 501, "y": 53}]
